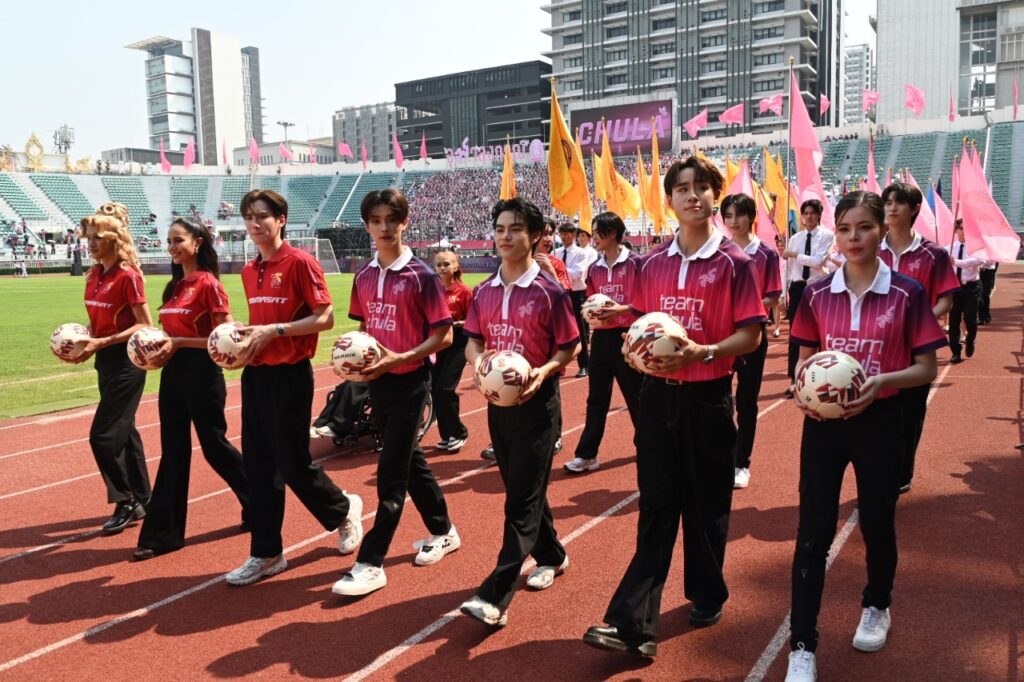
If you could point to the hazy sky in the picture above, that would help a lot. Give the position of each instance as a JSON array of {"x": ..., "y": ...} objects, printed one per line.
[{"x": 66, "y": 61}]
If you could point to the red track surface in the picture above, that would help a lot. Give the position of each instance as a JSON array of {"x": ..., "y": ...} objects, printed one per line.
[{"x": 74, "y": 606}]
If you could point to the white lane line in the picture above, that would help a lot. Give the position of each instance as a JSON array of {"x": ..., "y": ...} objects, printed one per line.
[{"x": 778, "y": 641}]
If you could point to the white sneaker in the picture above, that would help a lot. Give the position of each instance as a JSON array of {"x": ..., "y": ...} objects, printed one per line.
[
  {"x": 361, "y": 579},
  {"x": 802, "y": 666},
  {"x": 326, "y": 432},
  {"x": 873, "y": 629},
  {"x": 350, "y": 532},
  {"x": 455, "y": 444},
  {"x": 485, "y": 612},
  {"x": 313, "y": 433},
  {"x": 578, "y": 465},
  {"x": 255, "y": 569},
  {"x": 742, "y": 479},
  {"x": 544, "y": 576},
  {"x": 434, "y": 548}
]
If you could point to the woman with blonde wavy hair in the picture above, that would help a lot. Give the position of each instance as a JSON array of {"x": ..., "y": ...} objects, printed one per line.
[{"x": 115, "y": 300}]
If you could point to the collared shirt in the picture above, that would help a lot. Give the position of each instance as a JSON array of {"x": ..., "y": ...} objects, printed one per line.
[
  {"x": 766, "y": 268},
  {"x": 284, "y": 288},
  {"x": 926, "y": 262},
  {"x": 970, "y": 267},
  {"x": 577, "y": 261},
  {"x": 712, "y": 293},
  {"x": 109, "y": 297},
  {"x": 882, "y": 328},
  {"x": 189, "y": 311},
  {"x": 616, "y": 281},
  {"x": 399, "y": 305},
  {"x": 532, "y": 316},
  {"x": 459, "y": 296},
  {"x": 817, "y": 261}
]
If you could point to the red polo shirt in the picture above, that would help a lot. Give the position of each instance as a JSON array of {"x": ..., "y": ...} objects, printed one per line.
[
  {"x": 189, "y": 311},
  {"x": 109, "y": 297},
  {"x": 282, "y": 289},
  {"x": 617, "y": 281},
  {"x": 459, "y": 297},
  {"x": 927, "y": 263}
]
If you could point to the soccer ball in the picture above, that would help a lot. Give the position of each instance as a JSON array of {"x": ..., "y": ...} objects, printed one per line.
[
  {"x": 592, "y": 305},
  {"x": 68, "y": 341},
  {"x": 502, "y": 377},
  {"x": 225, "y": 345},
  {"x": 144, "y": 347},
  {"x": 653, "y": 335},
  {"x": 827, "y": 381},
  {"x": 353, "y": 352}
]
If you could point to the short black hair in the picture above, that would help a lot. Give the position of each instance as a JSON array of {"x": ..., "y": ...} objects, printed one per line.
[
  {"x": 743, "y": 204},
  {"x": 904, "y": 193},
  {"x": 610, "y": 224},
  {"x": 567, "y": 227},
  {"x": 705, "y": 172},
  {"x": 528, "y": 211},
  {"x": 814, "y": 205},
  {"x": 391, "y": 197}
]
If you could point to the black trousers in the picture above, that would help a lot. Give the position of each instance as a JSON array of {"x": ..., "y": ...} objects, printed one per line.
[
  {"x": 914, "y": 406},
  {"x": 872, "y": 442},
  {"x": 445, "y": 375},
  {"x": 524, "y": 438},
  {"x": 684, "y": 439},
  {"x": 988, "y": 285},
  {"x": 607, "y": 365},
  {"x": 276, "y": 412},
  {"x": 965, "y": 310},
  {"x": 796, "y": 292},
  {"x": 192, "y": 391},
  {"x": 578, "y": 297},
  {"x": 398, "y": 401},
  {"x": 749, "y": 374},
  {"x": 115, "y": 441}
]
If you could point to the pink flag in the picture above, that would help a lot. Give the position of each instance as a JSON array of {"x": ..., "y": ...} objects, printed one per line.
[
  {"x": 344, "y": 150},
  {"x": 732, "y": 115},
  {"x": 742, "y": 183},
  {"x": 925, "y": 223},
  {"x": 954, "y": 192},
  {"x": 285, "y": 152},
  {"x": 694, "y": 125},
  {"x": 808, "y": 153},
  {"x": 773, "y": 104},
  {"x": 399, "y": 156},
  {"x": 952, "y": 106},
  {"x": 364, "y": 156},
  {"x": 888, "y": 176},
  {"x": 913, "y": 98},
  {"x": 224, "y": 151},
  {"x": 190, "y": 153},
  {"x": 1016, "y": 93},
  {"x": 870, "y": 99},
  {"x": 254, "y": 151},
  {"x": 826, "y": 103},
  {"x": 943, "y": 221},
  {"x": 423, "y": 146},
  {"x": 312, "y": 156},
  {"x": 871, "y": 184},
  {"x": 986, "y": 230},
  {"x": 165, "y": 165}
]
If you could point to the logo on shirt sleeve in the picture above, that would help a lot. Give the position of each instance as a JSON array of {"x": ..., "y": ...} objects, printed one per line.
[{"x": 276, "y": 280}]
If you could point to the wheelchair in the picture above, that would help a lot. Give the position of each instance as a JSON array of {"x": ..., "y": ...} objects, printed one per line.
[{"x": 363, "y": 426}]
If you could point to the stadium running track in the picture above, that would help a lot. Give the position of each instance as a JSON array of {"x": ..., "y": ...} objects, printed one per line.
[{"x": 73, "y": 604}]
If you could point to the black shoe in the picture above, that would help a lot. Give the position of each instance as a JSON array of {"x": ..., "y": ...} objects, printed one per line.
[
  {"x": 488, "y": 453},
  {"x": 969, "y": 350},
  {"x": 905, "y": 488},
  {"x": 608, "y": 638},
  {"x": 582, "y": 373},
  {"x": 558, "y": 445},
  {"x": 705, "y": 616},
  {"x": 143, "y": 553},
  {"x": 788, "y": 394},
  {"x": 124, "y": 514},
  {"x": 956, "y": 359}
]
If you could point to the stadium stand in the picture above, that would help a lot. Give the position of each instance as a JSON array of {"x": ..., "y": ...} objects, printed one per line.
[
  {"x": 188, "y": 194},
  {"x": 128, "y": 191},
  {"x": 336, "y": 199},
  {"x": 954, "y": 146},
  {"x": 62, "y": 191},
  {"x": 917, "y": 154},
  {"x": 999, "y": 164},
  {"x": 233, "y": 190},
  {"x": 367, "y": 183},
  {"x": 304, "y": 195},
  {"x": 19, "y": 201}
]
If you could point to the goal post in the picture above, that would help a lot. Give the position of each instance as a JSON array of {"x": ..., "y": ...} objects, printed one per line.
[{"x": 320, "y": 249}]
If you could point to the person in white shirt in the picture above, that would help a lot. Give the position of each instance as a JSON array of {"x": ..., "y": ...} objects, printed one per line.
[
  {"x": 577, "y": 261},
  {"x": 965, "y": 301},
  {"x": 807, "y": 260}
]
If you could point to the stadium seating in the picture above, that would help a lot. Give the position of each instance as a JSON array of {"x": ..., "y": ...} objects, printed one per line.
[
  {"x": 999, "y": 163},
  {"x": 128, "y": 191},
  {"x": 367, "y": 183},
  {"x": 22, "y": 204},
  {"x": 63, "y": 191},
  {"x": 186, "y": 194},
  {"x": 835, "y": 152},
  {"x": 335, "y": 200},
  {"x": 233, "y": 190},
  {"x": 304, "y": 195},
  {"x": 917, "y": 154},
  {"x": 954, "y": 147}
]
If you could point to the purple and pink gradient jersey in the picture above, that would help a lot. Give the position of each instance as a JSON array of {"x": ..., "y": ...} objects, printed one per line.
[
  {"x": 768, "y": 274},
  {"x": 713, "y": 297},
  {"x": 929, "y": 264},
  {"x": 532, "y": 316},
  {"x": 882, "y": 330},
  {"x": 617, "y": 284},
  {"x": 400, "y": 305}
]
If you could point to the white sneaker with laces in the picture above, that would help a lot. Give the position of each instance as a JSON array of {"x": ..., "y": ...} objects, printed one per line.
[
  {"x": 361, "y": 579},
  {"x": 802, "y": 666},
  {"x": 544, "y": 576},
  {"x": 485, "y": 612},
  {"x": 873, "y": 629},
  {"x": 442, "y": 444},
  {"x": 455, "y": 444},
  {"x": 326, "y": 431},
  {"x": 742, "y": 479},
  {"x": 578, "y": 465},
  {"x": 436, "y": 547},
  {"x": 313, "y": 433},
  {"x": 350, "y": 532},
  {"x": 255, "y": 569}
]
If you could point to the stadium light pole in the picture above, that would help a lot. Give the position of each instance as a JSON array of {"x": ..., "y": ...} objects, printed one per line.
[{"x": 286, "y": 125}]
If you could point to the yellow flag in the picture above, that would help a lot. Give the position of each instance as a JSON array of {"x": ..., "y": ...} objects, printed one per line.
[
  {"x": 655, "y": 194},
  {"x": 775, "y": 183},
  {"x": 731, "y": 171},
  {"x": 508, "y": 174},
  {"x": 642, "y": 181},
  {"x": 586, "y": 208},
  {"x": 566, "y": 180},
  {"x": 622, "y": 198},
  {"x": 599, "y": 189}
]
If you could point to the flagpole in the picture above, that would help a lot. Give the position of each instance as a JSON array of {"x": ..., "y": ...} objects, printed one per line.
[{"x": 789, "y": 149}]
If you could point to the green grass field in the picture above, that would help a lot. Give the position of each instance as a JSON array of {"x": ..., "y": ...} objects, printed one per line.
[{"x": 34, "y": 381}]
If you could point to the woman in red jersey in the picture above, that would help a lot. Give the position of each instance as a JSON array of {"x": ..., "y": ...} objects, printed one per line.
[
  {"x": 884, "y": 320},
  {"x": 447, "y": 371},
  {"x": 192, "y": 389},
  {"x": 115, "y": 299}
]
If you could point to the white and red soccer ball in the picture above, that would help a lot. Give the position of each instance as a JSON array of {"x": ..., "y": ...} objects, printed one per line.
[
  {"x": 352, "y": 353},
  {"x": 653, "y": 335},
  {"x": 594, "y": 304},
  {"x": 68, "y": 341},
  {"x": 827, "y": 382},
  {"x": 225, "y": 345},
  {"x": 502, "y": 376},
  {"x": 144, "y": 347}
]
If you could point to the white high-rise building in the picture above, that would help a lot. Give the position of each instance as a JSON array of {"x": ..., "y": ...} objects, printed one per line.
[
  {"x": 859, "y": 73},
  {"x": 206, "y": 88}
]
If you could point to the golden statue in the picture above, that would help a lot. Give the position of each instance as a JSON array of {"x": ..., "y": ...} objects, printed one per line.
[
  {"x": 34, "y": 152},
  {"x": 6, "y": 159}
]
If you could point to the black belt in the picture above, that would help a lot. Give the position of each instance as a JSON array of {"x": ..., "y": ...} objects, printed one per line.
[{"x": 972, "y": 284}]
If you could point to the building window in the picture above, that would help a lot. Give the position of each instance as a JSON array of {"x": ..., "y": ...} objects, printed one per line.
[
  {"x": 573, "y": 85},
  {"x": 769, "y": 85},
  {"x": 766, "y": 59},
  {"x": 712, "y": 41},
  {"x": 663, "y": 48},
  {"x": 572, "y": 39},
  {"x": 713, "y": 91},
  {"x": 574, "y": 15},
  {"x": 616, "y": 79},
  {"x": 616, "y": 31},
  {"x": 770, "y": 32},
  {"x": 665, "y": 72},
  {"x": 765, "y": 7},
  {"x": 615, "y": 8},
  {"x": 572, "y": 62},
  {"x": 1011, "y": 47},
  {"x": 977, "y": 86},
  {"x": 712, "y": 67},
  {"x": 663, "y": 24},
  {"x": 615, "y": 55},
  {"x": 714, "y": 15}
]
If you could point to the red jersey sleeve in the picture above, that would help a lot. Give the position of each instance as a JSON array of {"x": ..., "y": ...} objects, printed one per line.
[
  {"x": 746, "y": 296},
  {"x": 560, "y": 271},
  {"x": 311, "y": 283},
  {"x": 944, "y": 281},
  {"x": 591, "y": 289},
  {"x": 216, "y": 298},
  {"x": 922, "y": 329},
  {"x": 805, "y": 327},
  {"x": 434, "y": 302},
  {"x": 772, "y": 274},
  {"x": 133, "y": 289},
  {"x": 563, "y": 322}
]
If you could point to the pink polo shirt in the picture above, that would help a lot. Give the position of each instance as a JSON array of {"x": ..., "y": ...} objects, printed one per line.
[
  {"x": 927, "y": 263},
  {"x": 616, "y": 281},
  {"x": 766, "y": 267}
]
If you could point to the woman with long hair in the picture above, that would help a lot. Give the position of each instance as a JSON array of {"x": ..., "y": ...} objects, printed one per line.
[
  {"x": 447, "y": 371},
  {"x": 115, "y": 300},
  {"x": 192, "y": 389}
]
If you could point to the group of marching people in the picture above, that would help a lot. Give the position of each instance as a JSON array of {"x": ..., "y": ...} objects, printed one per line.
[{"x": 879, "y": 301}]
